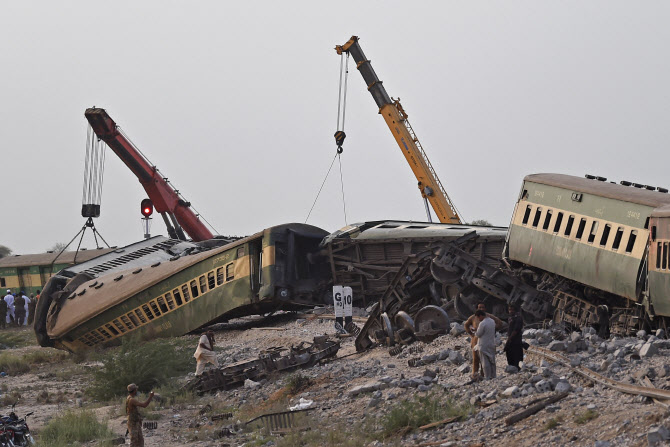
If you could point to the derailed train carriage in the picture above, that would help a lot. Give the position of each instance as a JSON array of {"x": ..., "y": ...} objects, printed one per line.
[
  {"x": 165, "y": 287},
  {"x": 590, "y": 243}
]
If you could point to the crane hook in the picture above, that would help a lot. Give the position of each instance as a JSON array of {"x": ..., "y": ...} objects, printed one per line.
[{"x": 339, "y": 140}]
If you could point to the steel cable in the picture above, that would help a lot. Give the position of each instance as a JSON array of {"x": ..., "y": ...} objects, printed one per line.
[{"x": 323, "y": 183}]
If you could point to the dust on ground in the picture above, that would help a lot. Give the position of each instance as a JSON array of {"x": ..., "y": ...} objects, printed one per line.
[{"x": 354, "y": 394}]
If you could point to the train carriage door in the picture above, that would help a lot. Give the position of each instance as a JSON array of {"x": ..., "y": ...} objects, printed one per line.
[
  {"x": 25, "y": 281},
  {"x": 256, "y": 266},
  {"x": 658, "y": 265}
]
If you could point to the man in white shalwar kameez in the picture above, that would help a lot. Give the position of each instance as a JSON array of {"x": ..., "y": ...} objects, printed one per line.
[
  {"x": 9, "y": 299},
  {"x": 205, "y": 352},
  {"x": 486, "y": 333}
]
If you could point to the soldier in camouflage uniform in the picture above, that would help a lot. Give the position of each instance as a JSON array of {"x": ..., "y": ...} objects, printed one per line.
[{"x": 134, "y": 416}]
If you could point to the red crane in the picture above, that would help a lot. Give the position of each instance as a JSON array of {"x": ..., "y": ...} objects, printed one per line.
[{"x": 176, "y": 212}]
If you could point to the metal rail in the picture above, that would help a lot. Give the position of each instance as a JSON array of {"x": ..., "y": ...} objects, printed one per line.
[{"x": 654, "y": 393}]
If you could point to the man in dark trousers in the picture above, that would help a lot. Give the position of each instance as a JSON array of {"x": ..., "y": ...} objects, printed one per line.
[
  {"x": 514, "y": 345},
  {"x": 20, "y": 309},
  {"x": 3, "y": 313}
]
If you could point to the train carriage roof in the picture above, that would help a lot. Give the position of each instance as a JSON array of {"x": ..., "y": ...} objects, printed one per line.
[{"x": 609, "y": 190}]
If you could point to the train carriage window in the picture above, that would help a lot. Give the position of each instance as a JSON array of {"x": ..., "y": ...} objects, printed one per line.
[
  {"x": 646, "y": 223},
  {"x": 526, "y": 215},
  {"x": 653, "y": 233},
  {"x": 240, "y": 252},
  {"x": 147, "y": 311},
  {"x": 203, "y": 284},
  {"x": 631, "y": 241},
  {"x": 559, "y": 221},
  {"x": 658, "y": 256},
  {"x": 170, "y": 301},
  {"x": 606, "y": 234},
  {"x": 536, "y": 219},
  {"x": 161, "y": 304},
  {"x": 129, "y": 324},
  {"x": 140, "y": 314},
  {"x": 112, "y": 329},
  {"x": 177, "y": 297},
  {"x": 119, "y": 326},
  {"x": 568, "y": 226},
  {"x": 219, "y": 276},
  {"x": 105, "y": 333},
  {"x": 665, "y": 256},
  {"x": 186, "y": 293},
  {"x": 547, "y": 220},
  {"x": 592, "y": 233},
  {"x": 211, "y": 280},
  {"x": 580, "y": 229},
  {"x": 154, "y": 307},
  {"x": 618, "y": 237},
  {"x": 230, "y": 272},
  {"x": 2, "y": 282},
  {"x": 194, "y": 289},
  {"x": 133, "y": 319}
]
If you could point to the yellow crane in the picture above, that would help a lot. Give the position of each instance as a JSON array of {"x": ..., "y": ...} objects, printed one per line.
[{"x": 396, "y": 118}]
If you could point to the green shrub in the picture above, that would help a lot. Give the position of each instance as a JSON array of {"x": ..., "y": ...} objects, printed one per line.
[
  {"x": 296, "y": 383},
  {"x": 421, "y": 410},
  {"x": 11, "y": 339},
  {"x": 73, "y": 426},
  {"x": 45, "y": 355},
  {"x": 13, "y": 364},
  {"x": 586, "y": 416},
  {"x": 147, "y": 365}
]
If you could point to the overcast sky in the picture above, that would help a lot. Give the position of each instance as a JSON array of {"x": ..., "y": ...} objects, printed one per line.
[{"x": 236, "y": 102}]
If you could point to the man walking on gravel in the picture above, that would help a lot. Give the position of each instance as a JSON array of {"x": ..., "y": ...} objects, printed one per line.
[
  {"x": 205, "y": 352},
  {"x": 486, "y": 345},
  {"x": 514, "y": 345},
  {"x": 470, "y": 328},
  {"x": 134, "y": 416}
]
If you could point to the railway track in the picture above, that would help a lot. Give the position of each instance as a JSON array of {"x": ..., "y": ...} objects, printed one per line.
[{"x": 649, "y": 391}]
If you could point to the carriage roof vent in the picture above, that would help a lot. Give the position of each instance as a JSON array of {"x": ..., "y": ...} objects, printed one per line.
[
  {"x": 650, "y": 188},
  {"x": 590, "y": 177},
  {"x": 601, "y": 179},
  {"x": 659, "y": 189},
  {"x": 625, "y": 183},
  {"x": 638, "y": 185}
]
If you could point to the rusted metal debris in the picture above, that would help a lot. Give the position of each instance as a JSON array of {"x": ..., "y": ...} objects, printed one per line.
[
  {"x": 150, "y": 425},
  {"x": 278, "y": 421},
  {"x": 271, "y": 360},
  {"x": 410, "y": 308},
  {"x": 222, "y": 416}
]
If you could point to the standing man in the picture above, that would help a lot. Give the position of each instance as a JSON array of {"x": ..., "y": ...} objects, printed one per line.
[
  {"x": 205, "y": 352},
  {"x": 471, "y": 327},
  {"x": 486, "y": 345},
  {"x": 19, "y": 309},
  {"x": 514, "y": 344},
  {"x": 31, "y": 309},
  {"x": 134, "y": 416},
  {"x": 25, "y": 307},
  {"x": 9, "y": 299},
  {"x": 3, "y": 314}
]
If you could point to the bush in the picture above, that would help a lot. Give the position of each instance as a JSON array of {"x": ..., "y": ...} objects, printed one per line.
[
  {"x": 13, "y": 364},
  {"x": 147, "y": 365},
  {"x": 296, "y": 383},
  {"x": 411, "y": 414},
  {"x": 73, "y": 426},
  {"x": 45, "y": 355},
  {"x": 586, "y": 416},
  {"x": 11, "y": 339}
]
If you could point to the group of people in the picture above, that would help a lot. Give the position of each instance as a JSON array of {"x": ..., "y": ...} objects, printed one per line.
[
  {"x": 482, "y": 327},
  {"x": 17, "y": 309}
]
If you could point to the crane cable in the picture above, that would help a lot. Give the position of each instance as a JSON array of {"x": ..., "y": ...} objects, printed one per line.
[
  {"x": 339, "y": 136},
  {"x": 94, "y": 169}
]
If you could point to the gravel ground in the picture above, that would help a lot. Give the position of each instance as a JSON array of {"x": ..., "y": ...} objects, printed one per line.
[{"x": 365, "y": 387}]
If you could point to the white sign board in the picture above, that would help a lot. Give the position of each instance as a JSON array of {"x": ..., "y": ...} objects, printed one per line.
[
  {"x": 347, "y": 298},
  {"x": 338, "y": 302}
]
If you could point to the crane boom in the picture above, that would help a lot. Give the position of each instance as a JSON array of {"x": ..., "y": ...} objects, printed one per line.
[
  {"x": 166, "y": 199},
  {"x": 429, "y": 184}
]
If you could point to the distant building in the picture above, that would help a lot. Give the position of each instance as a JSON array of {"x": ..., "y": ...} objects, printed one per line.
[{"x": 30, "y": 272}]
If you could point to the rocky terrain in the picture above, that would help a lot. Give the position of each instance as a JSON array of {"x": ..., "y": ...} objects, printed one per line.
[{"x": 360, "y": 398}]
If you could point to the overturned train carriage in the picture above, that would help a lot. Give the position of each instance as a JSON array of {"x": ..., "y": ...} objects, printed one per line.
[
  {"x": 463, "y": 268},
  {"x": 164, "y": 287},
  {"x": 589, "y": 242}
]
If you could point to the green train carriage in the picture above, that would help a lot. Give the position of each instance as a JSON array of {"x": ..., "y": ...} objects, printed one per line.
[
  {"x": 164, "y": 288},
  {"x": 587, "y": 241}
]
